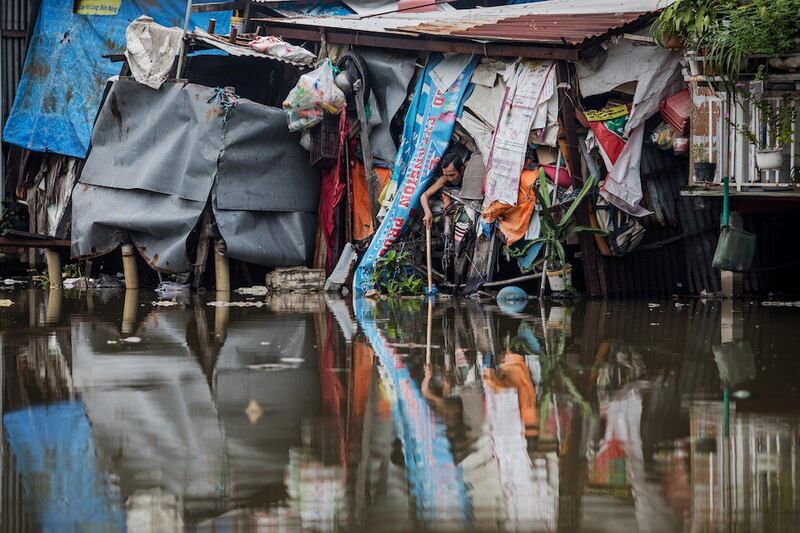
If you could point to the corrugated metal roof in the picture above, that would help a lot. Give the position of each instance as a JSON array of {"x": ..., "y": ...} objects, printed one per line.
[
  {"x": 553, "y": 22},
  {"x": 238, "y": 49}
]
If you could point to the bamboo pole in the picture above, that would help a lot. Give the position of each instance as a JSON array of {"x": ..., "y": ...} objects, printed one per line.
[
  {"x": 221, "y": 267},
  {"x": 129, "y": 267},
  {"x": 53, "y": 268}
]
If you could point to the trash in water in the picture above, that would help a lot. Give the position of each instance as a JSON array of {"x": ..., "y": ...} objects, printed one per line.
[
  {"x": 653, "y": 306},
  {"x": 219, "y": 303},
  {"x": 292, "y": 360},
  {"x": 781, "y": 304},
  {"x": 6, "y": 303},
  {"x": 164, "y": 303},
  {"x": 741, "y": 394},
  {"x": 256, "y": 290},
  {"x": 111, "y": 342},
  {"x": 132, "y": 340},
  {"x": 253, "y": 411},
  {"x": 10, "y": 281}
]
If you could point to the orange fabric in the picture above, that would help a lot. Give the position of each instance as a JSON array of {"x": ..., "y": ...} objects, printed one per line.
[
  {"x": 513, "y": 373},
  {"x": 362, "y": 218},
  {"x": 514, "y": 220}
]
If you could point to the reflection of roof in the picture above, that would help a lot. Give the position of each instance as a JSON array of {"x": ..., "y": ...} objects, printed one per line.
[{"x": 552, "y": 23}]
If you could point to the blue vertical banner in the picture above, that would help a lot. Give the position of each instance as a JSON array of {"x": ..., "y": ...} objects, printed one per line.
[{"x": 429, "y": 123}]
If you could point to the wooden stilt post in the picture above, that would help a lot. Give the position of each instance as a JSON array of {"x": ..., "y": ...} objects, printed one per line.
[
  {"x": 129, "y": 267},
  {"x": 591, "y": 267},
  {"x": 129, "y": 309},
  {"x": 221, "y": 267},
  {"x": 53, "y": 268}
]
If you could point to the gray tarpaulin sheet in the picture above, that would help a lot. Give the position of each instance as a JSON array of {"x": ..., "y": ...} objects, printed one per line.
[
  {"x": 389, "y": 75},
  {"x": 158, "y": 155}
]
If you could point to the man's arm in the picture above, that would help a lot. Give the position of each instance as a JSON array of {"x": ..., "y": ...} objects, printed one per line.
[{"x": 433, "y": 189}]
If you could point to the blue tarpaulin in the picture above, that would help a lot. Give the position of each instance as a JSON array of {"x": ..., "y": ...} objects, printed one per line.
[
  {"x": 56, "y": 459},
  {"x": 64, "y": 75}
]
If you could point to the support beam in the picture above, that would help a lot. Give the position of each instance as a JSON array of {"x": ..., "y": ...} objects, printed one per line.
[
  {"x": 221, "y": 267},
  {"x": 288, "y": 31},
  {"x": 567, "y": 96},
  {"x": 129, "y": 267},
  {"x": 54, "y": 268}
]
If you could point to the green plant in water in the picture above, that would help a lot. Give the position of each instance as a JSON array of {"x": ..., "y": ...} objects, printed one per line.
[
  {"x": 393, "y": 275},
  {"x": 554, "y": 234}
]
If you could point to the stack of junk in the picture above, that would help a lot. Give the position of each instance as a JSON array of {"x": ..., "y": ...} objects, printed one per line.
[{"x": 295, "y": 141}]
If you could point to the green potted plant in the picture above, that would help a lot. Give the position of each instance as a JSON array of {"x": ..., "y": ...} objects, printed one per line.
[
  {"x": 704, "y": 169},
  {"x": 554, "y": 234},
  {"x": 776, "y": 128}
]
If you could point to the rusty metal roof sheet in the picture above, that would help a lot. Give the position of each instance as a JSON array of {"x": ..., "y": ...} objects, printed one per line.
[{"x": 552, "y": 22}]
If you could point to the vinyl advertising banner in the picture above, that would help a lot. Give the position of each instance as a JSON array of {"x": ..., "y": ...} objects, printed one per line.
[{"x": 429, "y": 124}]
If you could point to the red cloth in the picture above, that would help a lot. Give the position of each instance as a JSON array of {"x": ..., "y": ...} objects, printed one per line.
[{"x": 331, "y": 193}]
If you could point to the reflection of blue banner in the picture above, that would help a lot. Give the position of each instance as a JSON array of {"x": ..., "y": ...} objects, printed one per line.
[
  {"x": 56, "y": 460},
  {"x": 433, "y": 477},
  {"x": 65, "y": 74},
  {"x": 429, "y": 124}
]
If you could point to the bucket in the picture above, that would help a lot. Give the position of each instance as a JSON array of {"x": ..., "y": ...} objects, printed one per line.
[{"x": 559, "y": 279}]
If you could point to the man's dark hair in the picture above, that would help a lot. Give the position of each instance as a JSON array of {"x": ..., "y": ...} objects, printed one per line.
[{"x": 456, "y": 155}]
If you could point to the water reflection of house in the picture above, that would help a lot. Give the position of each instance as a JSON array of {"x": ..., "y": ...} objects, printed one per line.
[{"x": 750, "y": 480}]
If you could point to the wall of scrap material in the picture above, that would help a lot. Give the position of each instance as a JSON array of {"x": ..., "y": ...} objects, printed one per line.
[
  {"x": 16, "y": 18},
  {"x": 158, "y": 157},
  {"x": 675, "y": 254}
]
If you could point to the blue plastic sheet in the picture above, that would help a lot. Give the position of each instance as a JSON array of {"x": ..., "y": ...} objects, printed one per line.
[
  {"x": 429, "y": 124},
  {"x": 56, "y": 460},
  {"x": 65, "y": 74}
]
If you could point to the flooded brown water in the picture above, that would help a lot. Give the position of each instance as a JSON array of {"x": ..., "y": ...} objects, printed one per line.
[{"x": 303, "y": 413}]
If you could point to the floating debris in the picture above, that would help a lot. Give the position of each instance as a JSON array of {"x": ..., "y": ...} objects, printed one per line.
[
  {"x": 6, "y": 303},
  {"x": 653, "y": 306},
  {"x": 253, "y": 411},
  {"x": 292, "y": 360},
  {"x": 112, "y": 342},
  {"x": 132, "y": 340},
  {"x": 781, "y": 304},
  {"x": 256, "y": 290},
  {"x": 741, "y": 394},
  {"x": 219, "y": 303},
  {"x": 265, "y": 343},
  {"x": 9, "y": 281},
  {"x": 164, "y": 303}
]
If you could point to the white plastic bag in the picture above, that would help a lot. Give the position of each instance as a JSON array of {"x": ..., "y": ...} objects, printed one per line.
[{"x": 314, "y": 94}]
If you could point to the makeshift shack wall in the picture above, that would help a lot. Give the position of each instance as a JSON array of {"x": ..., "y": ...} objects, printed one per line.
[
  {"x": 158, "y": 156},
  {"x": 675, "y": 254}
]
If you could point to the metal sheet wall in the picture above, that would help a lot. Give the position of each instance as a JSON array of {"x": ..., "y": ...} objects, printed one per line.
[{"x": 16, "y": 18}]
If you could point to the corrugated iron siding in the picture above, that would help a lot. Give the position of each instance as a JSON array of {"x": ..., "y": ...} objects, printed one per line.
[
  {"x": 681, "y": 266},
  {"x": 16, "y": 17}
]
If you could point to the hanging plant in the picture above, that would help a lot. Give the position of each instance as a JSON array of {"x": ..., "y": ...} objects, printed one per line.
[
  {"x": 761, "y": 27},
  {"x": 686, "y": 20}
]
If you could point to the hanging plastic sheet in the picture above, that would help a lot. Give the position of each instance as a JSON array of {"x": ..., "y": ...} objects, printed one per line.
[
  {"x": 530, "y": 87},
  {"x": 158, "y": 156},
  {"x": 429, "y": 124},
  {"x": 54, "y": 108}
]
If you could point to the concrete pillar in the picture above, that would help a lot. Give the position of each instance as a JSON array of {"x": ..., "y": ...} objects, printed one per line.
[
  {"x": 221, "y": 267},
  {"x": 54, "y": 268},
  {"x": 129, "y": 267}
]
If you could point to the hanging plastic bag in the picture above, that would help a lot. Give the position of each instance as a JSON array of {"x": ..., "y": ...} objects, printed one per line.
[
  {"x": 662, "y": 136},
  {"x": 314, "y": 94}
]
